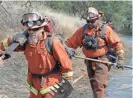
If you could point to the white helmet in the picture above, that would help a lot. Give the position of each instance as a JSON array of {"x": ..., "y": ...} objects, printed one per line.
[
  {"x": 33, "y": 20},
  {"x": 93, "y": 10},
  {"x": 92, "y": 13}
]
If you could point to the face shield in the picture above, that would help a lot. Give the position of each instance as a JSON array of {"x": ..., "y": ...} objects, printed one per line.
[
  {"x": 35, "y": 26},
  {"x": 35, "y": 35}
]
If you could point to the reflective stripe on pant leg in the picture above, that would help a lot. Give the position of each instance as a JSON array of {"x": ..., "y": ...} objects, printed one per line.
[
  {"x": 31, "y": 89},
  {"x": 46, "y": 90}
]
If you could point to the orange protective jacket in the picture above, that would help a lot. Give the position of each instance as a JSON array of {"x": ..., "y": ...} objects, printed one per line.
[
  {"x": 41, "y": 62},
  {"x": 111, "y": 37}
]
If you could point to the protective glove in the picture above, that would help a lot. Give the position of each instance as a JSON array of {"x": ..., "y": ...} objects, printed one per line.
[
  {"x": 20, "y": 38},
  {"x": 4, "y": 56},
  {"x": 70, "y": 51},
  {"x": 120, "y": 61}
]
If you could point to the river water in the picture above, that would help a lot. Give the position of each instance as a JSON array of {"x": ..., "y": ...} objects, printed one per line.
[{"x": 120, "y": 82}]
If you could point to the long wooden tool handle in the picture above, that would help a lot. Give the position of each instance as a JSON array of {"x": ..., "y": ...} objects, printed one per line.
[
  {"x": 8, "y": 52},
  {"x": 95, "y": 60},
  {"x": 12, "y": 47},
  {"x": 104, "y": 62},
  {"x": 76, "y": 80}
]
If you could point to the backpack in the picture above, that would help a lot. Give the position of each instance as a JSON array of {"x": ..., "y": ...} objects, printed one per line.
[
  {"x": 91, "y": 42},
  {"x": 102, "y": 31},
  {"x": 111, "y": 53},
  {"x": 50, "y": 27}
]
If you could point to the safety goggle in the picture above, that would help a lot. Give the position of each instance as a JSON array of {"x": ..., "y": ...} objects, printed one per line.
[
  {"x": 31, "y": 23},
  {"x": 34, "y": 29},
  {"x": 30, "y": 19},
  {"x": 91, "y": 21}
]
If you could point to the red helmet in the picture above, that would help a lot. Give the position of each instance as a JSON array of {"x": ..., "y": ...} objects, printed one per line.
[{"x": 33, "y": 20}]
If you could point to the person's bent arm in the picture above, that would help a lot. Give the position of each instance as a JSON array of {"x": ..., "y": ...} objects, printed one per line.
[
  {"x": 113, "y": 40},
  {"x": 61, "y": 56},
  {"x": 73, "y": 43}
]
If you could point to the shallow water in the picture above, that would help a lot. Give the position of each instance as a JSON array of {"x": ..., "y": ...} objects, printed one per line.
[
  {"x": 120, "y": 85},
  {"x": 120, "y": 82}
]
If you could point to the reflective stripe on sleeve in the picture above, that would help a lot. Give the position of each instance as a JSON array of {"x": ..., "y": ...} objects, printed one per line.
[
  {"x": 31, "y": 89},
  {"x": 68, "y": 74},
  {"x": 46, "y": 90},
  {"x": 5, "y": 44}
]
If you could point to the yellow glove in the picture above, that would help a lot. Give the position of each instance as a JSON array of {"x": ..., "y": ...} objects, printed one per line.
[{"x": 120, "y": 61}]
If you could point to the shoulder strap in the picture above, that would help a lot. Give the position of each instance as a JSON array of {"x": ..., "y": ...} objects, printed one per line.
[
  {"x": 26, "y": 33},
  {"x": 103, "y": 31},
  {"x": 83, "y": 30},
  {"x": 48, "y": 43}
]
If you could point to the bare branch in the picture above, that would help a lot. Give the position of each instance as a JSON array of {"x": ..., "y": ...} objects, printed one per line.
[
  {"x": 25, "y": 4},
  {"x": 0, "y": 2},
  {"x": 6, "y": 11}
]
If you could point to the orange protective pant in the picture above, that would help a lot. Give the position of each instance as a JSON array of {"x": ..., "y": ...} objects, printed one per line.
[
  {"x": 98, "y": 77},
  {"x": 49, "y": 80}
]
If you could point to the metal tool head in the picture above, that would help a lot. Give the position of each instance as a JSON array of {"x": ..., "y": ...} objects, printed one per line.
[{"x": 64, "y": 90}]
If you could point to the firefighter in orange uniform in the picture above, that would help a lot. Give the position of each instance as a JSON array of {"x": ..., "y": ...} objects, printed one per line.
[
  {"x": 44, "y": 69},
  {"x": 95, "y": 46}
]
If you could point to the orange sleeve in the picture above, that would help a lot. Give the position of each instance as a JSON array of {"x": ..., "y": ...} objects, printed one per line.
[
  {"x": 60, "y": 54},
  {"x": 4, "y": 44},
  {"x": 76, "y": 40},
  {"x": 113, "y": 39}
]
